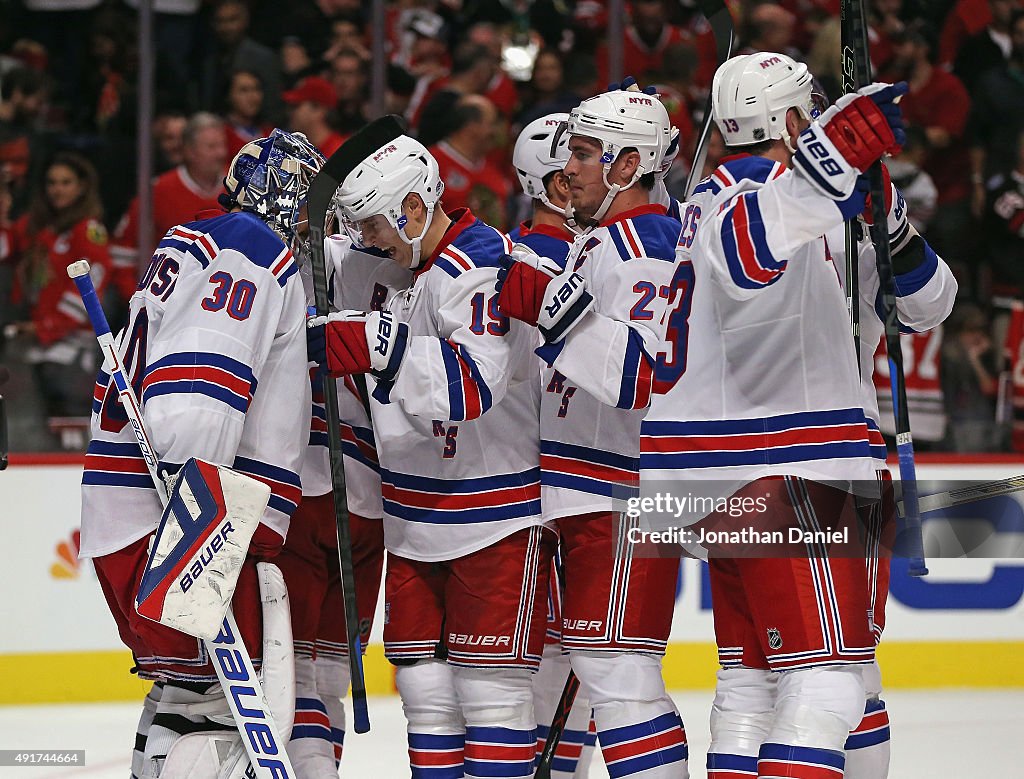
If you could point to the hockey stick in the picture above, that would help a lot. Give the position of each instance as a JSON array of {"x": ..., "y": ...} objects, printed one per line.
[
  {"x": 852, "y": 77},
  {"x": 854, "y": 20},
  {"x": 717, "y": 14},
  {"x": 564, "y": 708},
  {"x": 945, "y": 500},
  {"x": 255, "y": 721},
  {"x": 321, "y": 191}
]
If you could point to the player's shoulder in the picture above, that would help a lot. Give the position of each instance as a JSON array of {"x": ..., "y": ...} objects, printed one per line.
[
  {"x": 644, "y": 232},
  {"x": 474, "y": 244},
  {"x": 239, "y": 235},
  {"x": 547, "y": 245}
]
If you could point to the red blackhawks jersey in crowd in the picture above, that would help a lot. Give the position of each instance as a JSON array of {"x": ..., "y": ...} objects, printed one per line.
[
  {"x": 922, "y": 353},
  {"x": 177, "y": 199},
  {"x": 57, "y": 309},
  {"x": 480, "y": 187},
  {"x": 1014, "y": 354}
]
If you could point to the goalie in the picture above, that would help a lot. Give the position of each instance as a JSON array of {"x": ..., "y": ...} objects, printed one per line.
[{"x": 215, "y": 351}]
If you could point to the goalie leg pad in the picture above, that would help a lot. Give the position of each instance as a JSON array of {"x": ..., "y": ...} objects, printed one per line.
[
  {"x": 142, "y": 731},
  {"x": 278, "y": 673},
  {"x": 182, "y": 710}
]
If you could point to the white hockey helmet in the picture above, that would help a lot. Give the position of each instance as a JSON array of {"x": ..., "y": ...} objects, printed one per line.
[
  {"x": 379, "y": 184},
  {"x": 538, "y": 153},
  {"x": 751, "y": 93},
  {"x": 623, "y": 119}
]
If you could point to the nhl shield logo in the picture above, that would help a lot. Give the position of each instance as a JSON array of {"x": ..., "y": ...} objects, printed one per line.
[{"x": 774, "y": 638}]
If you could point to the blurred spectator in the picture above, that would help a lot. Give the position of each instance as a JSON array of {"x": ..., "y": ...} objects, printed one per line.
[
  {"x": 968, "y": 17},
  {"x": 179, "y": 196},
  {"x": 176, "y": 33},
  {"x": 647, "y": 36},
  {"x": 309, "y": 108},
  {"x": 917, "y": 186},
  {"x": 63, "y": 224},
  {"x": 769, "y": 27},
  {"x": 547, "y": 93},
  {"x": 824, "y": 60},
  {"x": 885, "y": 27},
  {"x": 349, "y": 78},
  {"x": 1013, "y": 355},
  {"x": 243, "y": 110},
  {"x": 938, "y": 102},
  {"x": 423, "y": 44},
  {"x": 232, "y": 49},
  {"x": 470, "y": 181},
  {"x": 1004, "y": 229},
  {"x": 988, "y": 49},
  {"x": 400, "y": 87},
  {"x": 347, "y": 35},
  {"x": 473, "y": 67},
  {"x": 969, "y": 371},
  {"x": 997, "y": 116},
  {"x": 296, "y": 62},
  {"x": 168, "y": 140},
  {"x": 23, "y": 147},
  {"x": 679, "y": 95},
  {"x": 500, "y": 90}
]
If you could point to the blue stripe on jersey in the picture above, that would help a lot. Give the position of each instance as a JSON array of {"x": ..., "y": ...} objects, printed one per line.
[
  {"x": 448, "y": 267},
  {"x": 773, "y": 424},
  {"x": 286, "y": 488},
  {"x": 485, "y": 392},
  {"x": 635, "y": 353},
  {"x": 707, "y": 185},
  {"x": 196, "y": 387},
  {"x": 588, "y": 454},
  {"x": 204, "y": 381},
  {"x": 546, "y": 246},
  {"x": 762, "y": 260},
  {"x": 770, "y": 456},
  {"x": 914, "y": 281},
  {"x": 186, "y": 245},
  {"x": 720, "y": 761},
  {"x": 620, "y": 245},
  {"x": 245, "y": 233},
  {"x": 431, "y": 741},
  {"x": 482, "y": 244},
  {"x": 750, "y": 167},
  {"x": 453, "y": 372},
  {"x": 878, "y": 451},
  {"x": 112, "y": 477},
  {"x": 470, "y": 485},
  {"x": 880, "y": 313},
  {"x": 659, "y": 234}
]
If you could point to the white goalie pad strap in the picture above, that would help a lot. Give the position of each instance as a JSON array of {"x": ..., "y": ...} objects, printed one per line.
[
  {"x": 201, "y": 755},
  {"x": 200, "y": 546},
  {"x": 278, "y": 672}
]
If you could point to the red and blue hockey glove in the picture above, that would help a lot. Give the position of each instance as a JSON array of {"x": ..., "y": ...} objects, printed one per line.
[
  {"x": 535, "y": 290},
  {"x": 351, "y": 342},
  {"x": 859, "y": 129}
]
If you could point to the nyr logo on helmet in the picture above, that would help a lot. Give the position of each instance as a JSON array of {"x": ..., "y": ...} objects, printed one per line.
[
  {"x": 769, "y": 61},
  {"x": 384, "y": 152},
  {"x": 641, "y": 101}
]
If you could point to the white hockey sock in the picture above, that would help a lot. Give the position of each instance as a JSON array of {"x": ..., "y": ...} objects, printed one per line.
[
  {"x": 437, "y": 733},
  {"x": 332, "y": 680},
  {"x": 640, "y": 731},
  {"x": 310, "y": 747},
  {"x": 575, "y": 747},
  {"x": 501, "y": 727},
  {"x": 740, "y": 719},
  {"x": 142, "y": 731},
  {"x": 867, "y": 748}
]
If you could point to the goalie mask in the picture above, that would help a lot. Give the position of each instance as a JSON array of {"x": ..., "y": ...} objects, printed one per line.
[
  {"x": 378, "y": 183},
  {"x": 538, "y": 154},
  {"x": 751, "y": 94},
  {"x": 270, "y": 177},
  {"x": 619, "y": 120}
]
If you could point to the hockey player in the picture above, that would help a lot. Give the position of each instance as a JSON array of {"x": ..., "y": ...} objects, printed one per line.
[
  {"x": 309, "y": 560},
  {"x": 601, "y": 314},
  {"x": 762, "y": 394},
  {"x": 454, "y": 410},
  {"x": 216, "y": 350},
  {"x": 538, "y": 164}
]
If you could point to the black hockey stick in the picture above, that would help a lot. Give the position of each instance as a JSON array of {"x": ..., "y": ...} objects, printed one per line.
[
  {"x": 853, "y": 17},
  {"x": 717, "y": 14},
  {"x": 855, "y": 73},
  {"x": 321, "y": 192},
  {"x": 572, "y": 686}
]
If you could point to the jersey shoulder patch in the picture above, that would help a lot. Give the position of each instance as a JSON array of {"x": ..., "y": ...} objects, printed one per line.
[{"x": 646, "y": 235}]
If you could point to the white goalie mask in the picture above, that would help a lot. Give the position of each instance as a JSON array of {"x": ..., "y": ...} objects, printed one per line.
[
  {"x": 751, "y": 94},
  {"x": 536, "y": 156},
  {"x": 379, "y": 185},
  {"x": 623, "y": 119}
]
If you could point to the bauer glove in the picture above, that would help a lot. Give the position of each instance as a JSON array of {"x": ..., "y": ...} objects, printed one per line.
[
  {"x": 535, "y": 290},
  {"x": 354, "y": 342}
]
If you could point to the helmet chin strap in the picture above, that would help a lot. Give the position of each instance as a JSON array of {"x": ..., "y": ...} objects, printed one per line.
[
  {"x": 417, "y": 241},
  {"x": 613, "y": 190}
]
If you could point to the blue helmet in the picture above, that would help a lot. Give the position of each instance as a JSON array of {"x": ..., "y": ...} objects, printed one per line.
[{"x": 270, "y": 178}]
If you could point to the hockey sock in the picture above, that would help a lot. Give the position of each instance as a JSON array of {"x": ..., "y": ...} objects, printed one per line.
[
  {"x": 436, "y": 731},
  {"x": 640, "y": 731},
  {"x": 310, "y": 747},
  {"x": 578, "y": 738},
  {"x": 867, "y": 748},
  {"x": 332, "y": 680},
  {"x": 145, "y": 721},
  {"x": 740, "y": 719},
  {"x": 501, "y": 727}
]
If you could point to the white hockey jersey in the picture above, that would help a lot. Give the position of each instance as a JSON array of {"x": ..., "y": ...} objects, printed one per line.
[
  {"x": 924, "y": 298},
  {"x": 762, "y": 380},
  {"x": 360, "y": 281},
  {"x": 457, "y": 432},
  {"x": 596, "y": 384},
  {"x": 216, "y": 352}
]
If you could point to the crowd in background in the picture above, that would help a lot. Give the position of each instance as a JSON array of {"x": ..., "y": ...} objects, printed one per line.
[{"x": 467, "y": 75}]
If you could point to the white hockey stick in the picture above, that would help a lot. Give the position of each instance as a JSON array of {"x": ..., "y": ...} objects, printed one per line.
[
  {"x": 945, "y": 500},
  {"x": 260, "y": 735}
]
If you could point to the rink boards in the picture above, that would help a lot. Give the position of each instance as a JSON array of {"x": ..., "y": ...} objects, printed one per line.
[{"x": 963, "y": 626}]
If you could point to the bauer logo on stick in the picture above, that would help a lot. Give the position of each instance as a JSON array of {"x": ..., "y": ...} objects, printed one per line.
[{"x": 200, "y": 545}]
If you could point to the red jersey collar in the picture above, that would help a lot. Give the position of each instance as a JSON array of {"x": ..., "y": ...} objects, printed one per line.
[
  {"x": 461, "y": 219},
  {"x": 552, "y": 231},
  {"x": 647, "y": 208}
]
